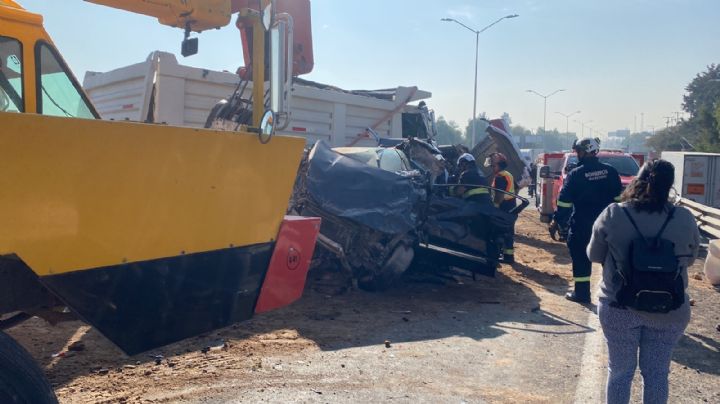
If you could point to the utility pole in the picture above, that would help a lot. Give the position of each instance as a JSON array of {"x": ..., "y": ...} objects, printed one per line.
[
  {"x": 634, "y": 123},
  {"x": 667, "y": 121},
  {"x": 677, "y": 117},
  {"x": 642, "y": 122}
]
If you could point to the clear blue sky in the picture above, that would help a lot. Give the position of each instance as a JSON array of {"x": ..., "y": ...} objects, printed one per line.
[{"x": 616, "y": 58}]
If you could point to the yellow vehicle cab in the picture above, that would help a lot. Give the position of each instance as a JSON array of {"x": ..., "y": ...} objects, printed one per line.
[{"x": 150, "y": 233}]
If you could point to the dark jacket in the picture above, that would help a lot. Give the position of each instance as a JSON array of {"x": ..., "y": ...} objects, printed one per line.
[
  {"x": 470, "y": 179},
  {"x": 587, "y": 190}
]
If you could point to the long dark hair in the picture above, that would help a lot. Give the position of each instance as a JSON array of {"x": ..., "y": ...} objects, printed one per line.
[{"x": 650, "y": 190}]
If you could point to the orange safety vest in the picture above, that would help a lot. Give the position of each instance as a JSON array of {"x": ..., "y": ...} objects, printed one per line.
[{"x": 510, "y": 184}]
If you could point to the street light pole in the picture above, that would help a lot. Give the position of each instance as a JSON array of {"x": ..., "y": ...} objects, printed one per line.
[
  {"x": 477, "y": 47},
  {"x": 582, "y": 126},
  {"x": 567, "y": 120},
  {"x": 567, "y": 123},
  {"x": 545, "y": 97}
]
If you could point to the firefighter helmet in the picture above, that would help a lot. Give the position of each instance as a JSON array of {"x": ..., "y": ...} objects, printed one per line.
[{"x": 587, "y": 144}]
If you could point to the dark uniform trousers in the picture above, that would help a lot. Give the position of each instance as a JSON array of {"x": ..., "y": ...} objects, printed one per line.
[{"x": 578, "y": 240}]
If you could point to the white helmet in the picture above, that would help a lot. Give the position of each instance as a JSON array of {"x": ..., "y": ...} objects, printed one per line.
[
  {"x": 465, "y": 157},
  {"x": 587, "y": 144}
]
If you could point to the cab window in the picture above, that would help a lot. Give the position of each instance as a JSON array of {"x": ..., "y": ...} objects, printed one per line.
[
  {"x": 58, "y": 92},
  {"x": 391, "y": 161},
  {"x": 11, "y": 75}
]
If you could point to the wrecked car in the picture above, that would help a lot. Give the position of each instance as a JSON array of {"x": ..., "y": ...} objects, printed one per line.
[{"x": 382, "y": 213}]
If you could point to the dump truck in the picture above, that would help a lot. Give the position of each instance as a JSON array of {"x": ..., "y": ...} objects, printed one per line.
[
  {"x": 149, "y": 233},
  {"x": 163, "y": 90}
]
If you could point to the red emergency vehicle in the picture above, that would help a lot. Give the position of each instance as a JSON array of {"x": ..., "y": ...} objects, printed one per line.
[{"x": 554, "y": 167}]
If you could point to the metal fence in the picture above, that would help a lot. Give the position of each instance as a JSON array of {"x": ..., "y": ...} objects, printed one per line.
[{"x": 708, "y": 218}]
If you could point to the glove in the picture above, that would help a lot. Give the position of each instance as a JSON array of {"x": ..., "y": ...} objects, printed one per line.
[{"x": 557, "y": 232}]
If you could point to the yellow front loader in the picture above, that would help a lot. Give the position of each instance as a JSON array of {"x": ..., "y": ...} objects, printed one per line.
[{"x": 150, "y": 233}]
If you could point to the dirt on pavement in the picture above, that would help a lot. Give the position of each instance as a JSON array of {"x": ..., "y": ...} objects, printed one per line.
[{"x": 505, "y": 339}]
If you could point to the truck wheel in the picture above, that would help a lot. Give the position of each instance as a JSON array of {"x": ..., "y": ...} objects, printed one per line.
[{"x": 21, "y": 380}]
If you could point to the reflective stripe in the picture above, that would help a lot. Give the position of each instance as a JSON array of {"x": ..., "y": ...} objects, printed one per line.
[
  {"x": 510, "y": 187},
  {"x": 582, "y": 279},
  {"x": 476, "y": 191},
  {"x": 562, "y": 204},
  {"x": 618, "y": 198},
  {"x": 509, "y": 251}
]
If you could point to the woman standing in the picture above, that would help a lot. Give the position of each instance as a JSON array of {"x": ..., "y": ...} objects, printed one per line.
[{"x": 627, "y": 330}]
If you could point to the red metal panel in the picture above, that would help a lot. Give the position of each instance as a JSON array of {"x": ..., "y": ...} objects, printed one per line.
[{"x": 285, "y": 278}]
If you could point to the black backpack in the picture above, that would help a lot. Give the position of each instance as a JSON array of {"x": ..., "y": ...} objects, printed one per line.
[{"x": 651, "y": 277}]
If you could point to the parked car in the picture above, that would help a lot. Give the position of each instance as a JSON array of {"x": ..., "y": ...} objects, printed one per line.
[{"x": 556, "y": 166}]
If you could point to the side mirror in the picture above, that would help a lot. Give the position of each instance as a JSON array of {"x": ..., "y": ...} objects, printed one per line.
[
  {"x": 189, "y": 47},
  {"x": 545, "y": 172},
  {"x": 267, "y": 126},
  {"x": 278, "y": 67}
]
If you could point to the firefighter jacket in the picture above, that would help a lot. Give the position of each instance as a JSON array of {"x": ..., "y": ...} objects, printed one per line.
[
  {"x": 472, "y": 177},
  {"x": 586, "y": 192},
  {"x": 504, "y": 180}
]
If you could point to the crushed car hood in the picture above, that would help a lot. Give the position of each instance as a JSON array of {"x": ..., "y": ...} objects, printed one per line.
[{"x": 376, "y": 198}]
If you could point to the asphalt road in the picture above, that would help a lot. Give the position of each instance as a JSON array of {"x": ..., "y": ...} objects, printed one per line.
[{"x": 512, "y": 338}]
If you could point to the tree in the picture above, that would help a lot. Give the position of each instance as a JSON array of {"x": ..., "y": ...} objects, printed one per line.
[
  {"x": 703, "y": 92},
  {"x": 448, "y": 132},
  {"x": 672, "y": 138},
  {"x": 700, "y": 132},
  {"x": 555, "y": 141},
  {"x": 480, "y": 127}
]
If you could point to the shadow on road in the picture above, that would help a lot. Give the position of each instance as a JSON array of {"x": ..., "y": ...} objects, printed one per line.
[
  {"x": 698, "y": 352},
  {"x": 557, "y": 249},
  {"x": 416, "y": 312},
  {"x": 482, "y": 309}
]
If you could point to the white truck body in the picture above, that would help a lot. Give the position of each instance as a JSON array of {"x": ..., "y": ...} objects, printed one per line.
[
  {"x": 697, "y": 176},
  {"x": 161, "y": 90}
]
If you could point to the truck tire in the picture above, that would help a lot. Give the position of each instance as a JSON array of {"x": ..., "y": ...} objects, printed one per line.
[{"x": 21, "y": 380}]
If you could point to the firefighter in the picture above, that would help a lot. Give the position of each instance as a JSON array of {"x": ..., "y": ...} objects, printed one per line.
[
  {"x": 586, "y": 192},
  {"x": 503, "y": 180},
  {"x": 469, "y": 179}
]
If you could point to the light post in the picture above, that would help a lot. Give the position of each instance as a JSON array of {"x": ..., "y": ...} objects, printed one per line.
[
  {"x": 567, "y": 120},
  {"x": 582, "y": 126},
  {"x": 477, "y": 42},
  {"x": 545, "y": 97},
  {"x": 567, "y": 123}
]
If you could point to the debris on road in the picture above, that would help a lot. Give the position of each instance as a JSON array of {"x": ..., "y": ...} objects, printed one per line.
[
  {"x": 77, "y": 346},
  {"x": 158, "y": 358}
]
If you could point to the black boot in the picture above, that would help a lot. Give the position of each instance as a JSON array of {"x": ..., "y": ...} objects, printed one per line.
[
  {"x": 508, "y": 258},
  {"x": 581, "y": 294}
]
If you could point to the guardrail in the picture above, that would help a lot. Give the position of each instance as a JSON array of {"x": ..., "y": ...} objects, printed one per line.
[{"x": 708, "y": 218}]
